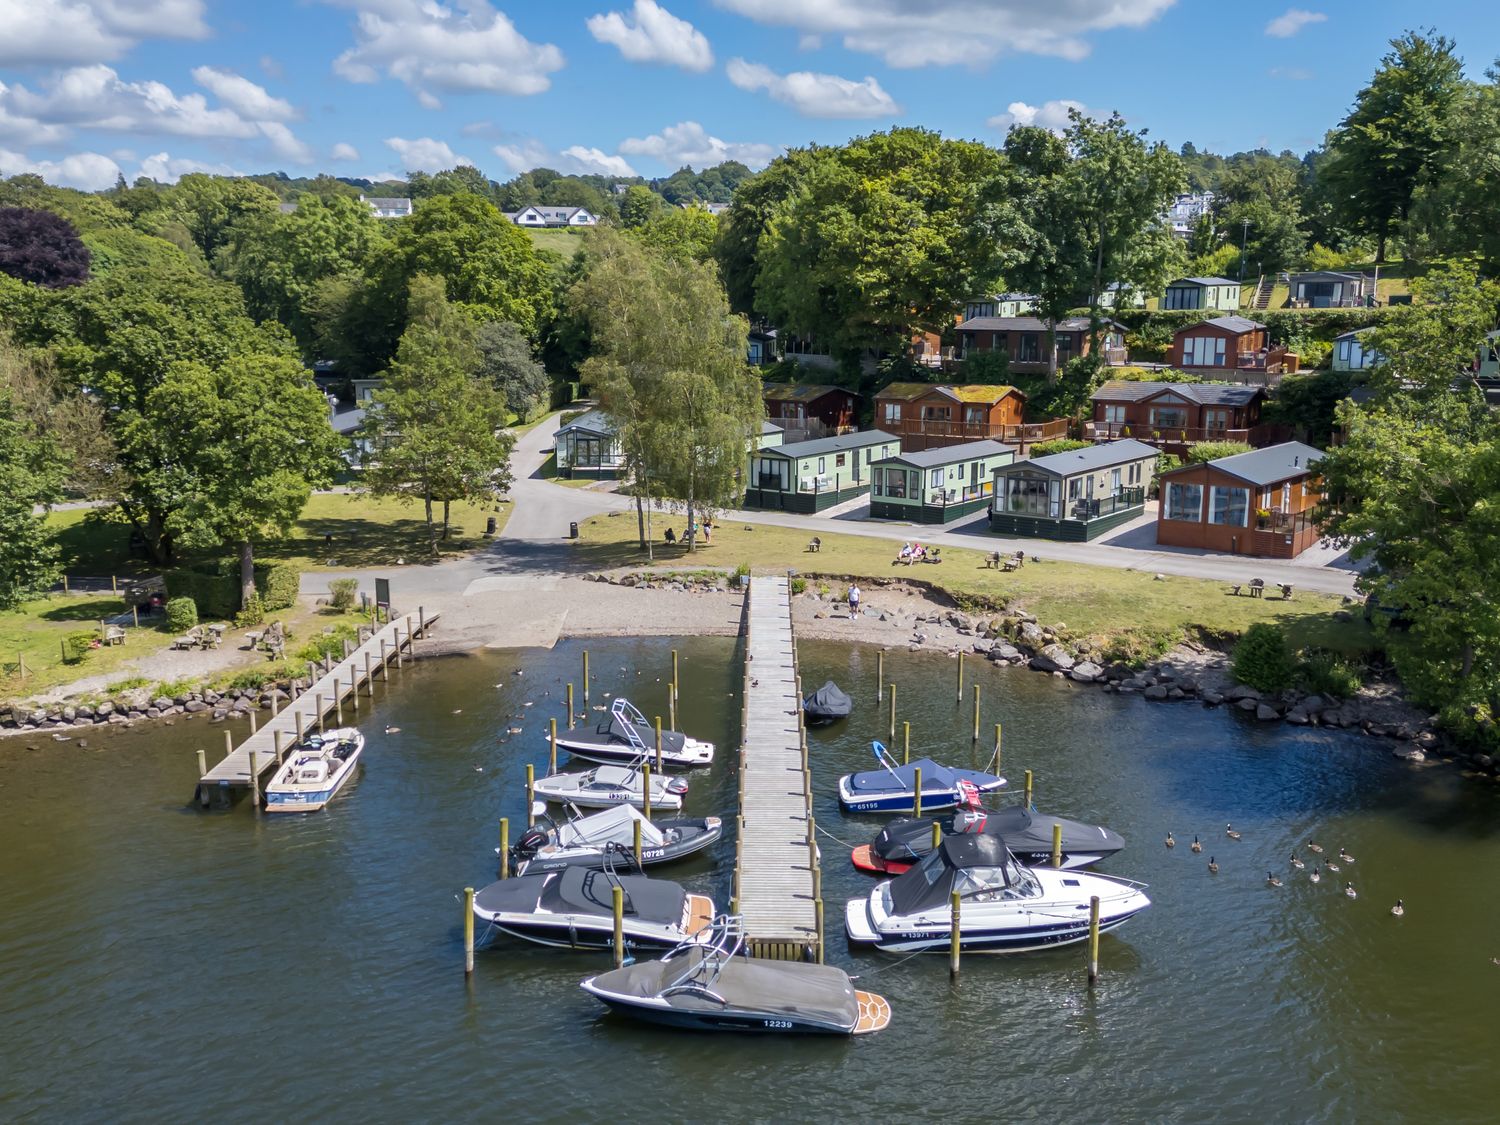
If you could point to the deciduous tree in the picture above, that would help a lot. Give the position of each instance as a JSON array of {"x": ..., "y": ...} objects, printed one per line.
[
  {"x": 31, "y": 474},
  {"x": 508, "y": 364},
  {"x": 42, "y": 248}
]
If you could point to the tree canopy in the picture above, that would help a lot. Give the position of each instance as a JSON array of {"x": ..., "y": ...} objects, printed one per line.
[{"x": 42, "y": 248}]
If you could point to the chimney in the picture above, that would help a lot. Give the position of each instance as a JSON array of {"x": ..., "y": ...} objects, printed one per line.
[{"x": 1296, "y": 460}]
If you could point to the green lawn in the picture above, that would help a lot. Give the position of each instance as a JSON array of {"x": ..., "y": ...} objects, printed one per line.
[
  {"x": 1128, "y": 610},
  {"x": 563, "y": 242},
  {"x": 34, "y": 632}
]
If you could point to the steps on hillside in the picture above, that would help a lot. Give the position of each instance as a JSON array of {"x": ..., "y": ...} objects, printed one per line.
[{"x": 1263, "y": 291}]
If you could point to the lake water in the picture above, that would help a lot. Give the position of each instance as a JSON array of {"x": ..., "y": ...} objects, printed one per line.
[{"x": 161, "y": 963}]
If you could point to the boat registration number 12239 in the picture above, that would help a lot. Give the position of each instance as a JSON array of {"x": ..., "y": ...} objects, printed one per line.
[{"x": 779, "y": 1024}]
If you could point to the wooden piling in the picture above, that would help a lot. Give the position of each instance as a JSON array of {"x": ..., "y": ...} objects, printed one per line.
[
  {"x": 570, "y": 706},
  {"x": 905, "y": 742},
  {"x": 997, "y": 747},
  {"x": 635, "y": 842},
  {"x": 301, "y": 724},
  {"x": 396, "y": 640},
  {"x": 893, "y": 710},
  {"x": 646, "y": 790},
  {"x": 254, "y": 780},
  {"x": 202, "y": 762},
  {"x": 354, "y": 689},
  {"x": 384, "y": 666},
  {"x": 251, "y": 715},
  {"x": 674, "y": 676},
  {"x": 960, "y": 677},
  {"x": 672, "y": 707},
  {"x": 585, "y": 677},
  {"x": 618, "y": 893},
  {"x": 1027, "y": 805},
  {"x": 880, "y": 676},
  {"x": 1093, "y": 939},
  {"x": 955, "y": 937},
  {"x": 1056, "y": 845},
  {"x": 468, "y": 930},
  {"x": 530, "y": 794},
  {"x": 937, "y": 835},
  {"x": 369, "y": 678},
  {"x": 135, "y": 616},
  {"x": 818, "y": 911},
  {"x": 276, "y": 742},
  {"x": 338, "y": 702},
  {"x": 658, "y": 742},
  {"x": 505, "y": 847},
  {"x": 917, "y": 793},
  {"x": 228, "y": 743},
  {"x": 976, "y": 711},
  {"x": 552, "y": 740}
]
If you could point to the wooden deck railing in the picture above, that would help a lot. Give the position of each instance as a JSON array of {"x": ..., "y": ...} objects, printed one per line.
[
  {"x": 1169, "y": 435},
  {"x": 952, "y": 433}
]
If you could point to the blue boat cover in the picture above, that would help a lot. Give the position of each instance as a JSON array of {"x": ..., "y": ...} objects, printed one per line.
[{"x": 902, "y": 779}]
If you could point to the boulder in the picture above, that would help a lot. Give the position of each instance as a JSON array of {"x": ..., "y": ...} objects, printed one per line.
[
  {"x": 85, "y": 711},
  {"x": 1298, "y": 716},
  {"x": 982, "y": 647},
  {"x": 1003, "y": 651},
  {"x": 1155, "y": 691},
  {"x": 1246, "y": 704},
  {"x": 1053, "y": 658},
  {"x": 153, "y": 712},
  {"x": 1212, "y": 698},
  {"x": 1265, "y": 712},
  {"x": 1175, "y": 692},
  {"x": 115, "y": 718},
  {"x": 1411, "y": 754},
  {"x": 1241, "y": 691},
  {"x": 194, "y": 706},
  {"x": 70, "y": 714},
  {"x": 162, "y": 703},
  {"x": 1032, "y": 634},
  {"x": 1086, "y": 671}
]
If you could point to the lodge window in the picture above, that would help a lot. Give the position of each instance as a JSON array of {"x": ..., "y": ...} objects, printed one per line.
[
  {"x": 935, "y": 413},
  {"x": 1029, "y": 351},
  {"x": 1184, "y": 502},
  {"x": 937, "y": 478},
  {"x": 838, "y": 460},
  {"x": 1203, "y": 351},
  {"x": 770, "y": 473},
  {"x": 822, "y": 465},
  {"x": 1229, "y": 506},
  {"x": 1036, "y": 496},
  {"x": 1115, "y": 415},
  {"x": 893, "y": 412},
  {"x": 1169, "y": 417},
  {"x": 895, "y": 483}
]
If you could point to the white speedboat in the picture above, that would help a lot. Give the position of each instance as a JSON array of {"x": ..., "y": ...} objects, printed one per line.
[
  {"x": 627, "y": 738},
  {"x": 892, "y": 788},
  {"x": 604, "y": 787},
  {"x": 608, "y": 838},
  {"x": 574, "y": 908},
  {"x": 315, "y": 769},
  {"x": 1003, "y": 906}
]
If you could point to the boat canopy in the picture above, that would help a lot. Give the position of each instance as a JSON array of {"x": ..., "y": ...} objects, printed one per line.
[
  {"x": 623, "y": 776},
  {"x": 620, "y": 731},
  {"x": 967, "y": 864},
  {"x": 828, "y": 702},
  {"x": 610, "y": 826},
  {"x": 580, "y": 890},
  {"x": 903, "y": 778}
]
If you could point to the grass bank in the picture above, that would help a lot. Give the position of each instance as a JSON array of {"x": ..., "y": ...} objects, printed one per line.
[{"x": 1129, "y": 612}]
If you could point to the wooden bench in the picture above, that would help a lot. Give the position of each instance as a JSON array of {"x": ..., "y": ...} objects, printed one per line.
[
  {"x": 113, "y": 635},
  {"x": 815, "y": 544},
  {"x": 1257, "y": 587}
]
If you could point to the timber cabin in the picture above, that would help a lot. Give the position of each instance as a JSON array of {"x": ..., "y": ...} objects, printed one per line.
[
  {"x": 809, "y": 476},
  {"x": 1077, "y": 496},
  {"x": 1024, "y": 340},
  {"x": 1228, "y": 347},
  {"x": 924, "y": 415},
  {"x": 1258, "y": 503},
  {"x": 1176, "y": 414},
  {"x": 1329, "y": 289},
  {"x": 810, "y": 410},
  {"x": 937, "y": 485},
  {"x": 1217, "y": 293},
  {"x": 587, "y": 447},
  {"x": 1352, "y": 351}
]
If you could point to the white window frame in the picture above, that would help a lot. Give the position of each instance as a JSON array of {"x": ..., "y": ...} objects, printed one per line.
[
  {"x": 1173, "y": 511},
  {"x": 1217, "y": 491}
]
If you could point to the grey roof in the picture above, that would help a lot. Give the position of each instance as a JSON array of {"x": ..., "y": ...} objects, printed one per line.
[
  {"x": 347, "y": 421},
  {"x": 595, "y": 422},
  {"x": 1360, "y": 331},
  {"x": 769, "y": 427},
  {"x": 1094, "y": 458},
  {"x": 1028, "y": 324},
  {"x": 1351, "y": 275},
  {"x": 952, "y": 454},
  {"x": 389, "y": 202},
  {"x": 1229, "y": 324},
  {"x": 1201, "y": 281},
  {"x": 829, "y": 444},
  {"x": 1270, "y": 465},
  {"x": 1204, "y": 394}
]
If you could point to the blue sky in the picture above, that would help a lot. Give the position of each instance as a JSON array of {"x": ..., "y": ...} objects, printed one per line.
[{"x": 89, "y": 88}]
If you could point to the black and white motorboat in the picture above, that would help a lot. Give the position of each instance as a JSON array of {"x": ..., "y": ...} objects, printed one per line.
[
  {"x": 608, "y": 838},
  {"x": 1003, "y": 906},
  {"x": 626, "y": 737},
  {"x": 826, "y": 705},
  {"x": 892, "y": 787},
  {"x": 905, "y": 841},
  {"x": 574, "y": 908},
  {"x": 711, "y": 985},
  {"x": 604, "y": 787}
]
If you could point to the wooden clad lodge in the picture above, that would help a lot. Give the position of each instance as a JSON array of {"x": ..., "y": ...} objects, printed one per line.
[
  {"x": 811, "y": 410},
  {"x": 1229, "y": 347},
  {"x": 932, "y": 415},
  {"x": 1258, "y": 503},
  {"x": 1078, "y": 495},
  {"x": 1176, "y": 414},
  {"x": 1024, "y": 340},
  {"x": 1217, "y": 293},
  {"x": 1329, "y": 289},
  {"x": 937, "y": 485},
  {"x": 809, "y": 476}
]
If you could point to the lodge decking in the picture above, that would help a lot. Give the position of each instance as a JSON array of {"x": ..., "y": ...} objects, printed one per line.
[{"x": 776, "y": 878}]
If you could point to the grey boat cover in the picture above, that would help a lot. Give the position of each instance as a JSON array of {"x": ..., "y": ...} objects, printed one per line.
[
  {"x": 612, "y": 826},
  {"x": 615, "y": 731},
  {"x": 828, "y": 702},
  {"x": 773, "y": 988},
  {"x": 1024, "y": 832},
  {"x": 931, "y": 883},
  {"x": 578, "y": 890}
]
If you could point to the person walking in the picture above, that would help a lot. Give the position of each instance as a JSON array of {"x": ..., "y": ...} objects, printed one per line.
[{"x": 853, "y": 602}]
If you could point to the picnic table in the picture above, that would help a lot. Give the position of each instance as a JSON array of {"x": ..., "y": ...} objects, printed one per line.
[
  {"x": 191, "y": 639},
  {"x": 113, "y": 635}
]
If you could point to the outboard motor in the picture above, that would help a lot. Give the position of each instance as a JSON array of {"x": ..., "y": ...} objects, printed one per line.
[
  {"x": 532, "y": 841},
  {"x": 677, "y": 785}
]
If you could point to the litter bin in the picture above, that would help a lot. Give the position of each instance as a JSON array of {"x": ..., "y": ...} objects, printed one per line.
[
  {"x": 490, "y": 525},
  {"x": 573, "y": 531}
]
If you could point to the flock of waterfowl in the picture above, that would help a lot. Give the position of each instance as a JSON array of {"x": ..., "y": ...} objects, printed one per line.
[{"x": 1296, "y": 862}]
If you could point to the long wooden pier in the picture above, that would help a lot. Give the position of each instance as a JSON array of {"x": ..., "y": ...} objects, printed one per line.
[
  {"x": 346, "y": 680},
  {"x": 777, "y": 882}
]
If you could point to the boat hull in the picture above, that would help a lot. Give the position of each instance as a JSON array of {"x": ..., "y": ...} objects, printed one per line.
[
  {"x": 660, "y": 802},
  {"x": 293, "y": 800},
  {"x": 692, "y": 754},
  {"x": 760, "y": 1023},
  {"x": 939, "y": 939},
  {"x": 866, "y": 860},
  {"x": 622, "y": 855}
]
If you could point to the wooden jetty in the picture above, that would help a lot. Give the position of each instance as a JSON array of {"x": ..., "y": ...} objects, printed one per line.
[
  {"x": 346, "y": 680},
  {"x": 777, "y": 882}
]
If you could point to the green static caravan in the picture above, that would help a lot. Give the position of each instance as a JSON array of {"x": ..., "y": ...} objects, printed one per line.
[
  {"x": 1076, "y": 496},
  {"x": 937, "y": 485},
  {"x": 588, "y": 447},
  {"x": 809, "y": 476}
]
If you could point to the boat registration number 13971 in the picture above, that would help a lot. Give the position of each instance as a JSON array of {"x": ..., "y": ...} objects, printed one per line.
[{"x": 781, "y": 1024}]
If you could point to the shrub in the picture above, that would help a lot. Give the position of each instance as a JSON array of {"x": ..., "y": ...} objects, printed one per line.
[
  {"x": 327, "y": 644},
  {"x": 182, "y": 614},
  {"x": 215, "y": 586},
  {"x": 253, "y": 612},
  {"x": 742, "y": 571},
  {"x": 1213, "y": 450},
  {"x": 279, "y": 585},
  {"x": 1327, "y": 673},
  {"x": 1164, "y": 464},
  {"x": 990, "y": 368},
  {"x": 1261, "y": 660},
  {"x": 1058, "y": 445},
  {"x": 77, "y": 646},
  {"x": 343, "y": 592},
  {"x": 799, "y": 585}
]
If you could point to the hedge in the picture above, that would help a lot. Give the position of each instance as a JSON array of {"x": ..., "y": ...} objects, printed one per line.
[
  {"x": 1321, "y": 324},
  {"x": 215, "y": 586}
]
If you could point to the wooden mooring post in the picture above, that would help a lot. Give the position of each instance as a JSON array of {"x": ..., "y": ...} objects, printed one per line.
[
  {"x": 619, "y": 905},
  {"x": 369, "y": 678},
  {"x": 646, "y": 790},
  {"x": 672, "y": 707},
  {"x": 1056, "y": 845},
  {"x": 905, "y": 742},
  {"x": 254, "y": 780},
  {"x": 585, "y": 677},
  {"x": 955, "y": 937},
  {"x": 880, "y": 676},
  {"x": 976, "y": 711},
  {"x": 917, "y": 793},
  {"x": 552, "y": 740},
  {"x": 570, "y": 706},
  {"x": 997, "y": 747},
  {"x": 228, "y": 743},
  {"x": 658, "y": 741},
  {"x": 1027, "y": 805},
  {"x": 468, "y": 931},
  {"x": 530, "y": 794},
  {"x": 318, "y": 707},
  {"x": 960, "y": 677},
  {"x": 505, "y": 847},
  {"x": 202, "y": 762},
  {"x": 636, "y": 842},
  {"x": 674, "y": 675},
  {"x": 276, "y": 742},
  {"x": 1093, "y": 940},
  {"x": 893, "y": 710}
]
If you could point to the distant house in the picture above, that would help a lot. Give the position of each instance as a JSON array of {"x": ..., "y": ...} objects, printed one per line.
[
  {"x": 1259, "y": 503},
  {"x": 809, "y": 476},
  {"x": 928, "y": 415},
  {"x": 937, "y": 485},
  {"x": 1075, "y": 496},
  {"x": 1176, "y": 414},
  {"x": 1024, "y": 340},
  {"x": 1488, "y": 369},
  {"x": 1186, "y": 210},
  {"x": 1329, "y": 289},
  {"x": 1352, "y": 351},
  {"x": 762, "y": 347},
  {"x": 1118, "y": 295},
  {"x": 388, "y": 207},
  {"x": 810, "y": 410},
  {"x": 364, "y": 389},
  {"x": 540, "y": 216},
  {"x": 287, "y": 208},
  {"x": 588, "y": 447},
  {"x": 1202, "y": 293},
  {"x": 771, "y": 435},
  {"x": 1002, "y": 304},
  {"x": 1228, "y": 347}
]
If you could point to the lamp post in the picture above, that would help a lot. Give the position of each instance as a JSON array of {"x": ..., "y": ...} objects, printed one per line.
[{"x": 1244, "y": 236}]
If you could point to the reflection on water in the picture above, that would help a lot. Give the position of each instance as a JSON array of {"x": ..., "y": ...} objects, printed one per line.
[{"x": 155, "y": 960}]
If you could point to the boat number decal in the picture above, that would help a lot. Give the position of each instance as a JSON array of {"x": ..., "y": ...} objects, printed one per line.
[{"x": 783, "y": 1024}]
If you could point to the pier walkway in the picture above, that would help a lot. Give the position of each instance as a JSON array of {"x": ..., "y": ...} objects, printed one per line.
[
  {"x": 776, "y": 878},
  {"x": 346, "y": 680}
]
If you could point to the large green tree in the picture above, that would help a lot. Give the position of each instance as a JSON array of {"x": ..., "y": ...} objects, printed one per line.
[
  {"x": 756, "y": 205},
  {"x": 1428, "y": 345},
  {"x": 1259, "y": 212},
  {"x": 1399, "y": 130},
  {"x": 507, "y": 363},
  {"x": 31, "y": 474},
  {"x": 210, "y": 206},
  {"x": 1457, "y": 207},
  {"x": 246, "y": 443}
]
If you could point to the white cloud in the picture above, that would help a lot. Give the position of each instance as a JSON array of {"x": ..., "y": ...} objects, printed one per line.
[
  {"x": 21, "y": 128},
  {"x": 169, "y": 169},
  {"x": 87, "y": 171},
  {"x": 1292, "y": 21},
  {"x": 431, "y": 47},
  {"x": 949, "y": 32},
  {"x": 36, "y": 32},
  {"x": 424, "y": 154},
  {"x": 815, "y": 95},
  {"x": 527, "y": 153},
  {"x": 344, "y": 151},
  {"x": 272, "y": 67},
  {"x": 689, "y": 143},
  {"x": 1049, "y": 115},
  {"x": 284, "y": 143},
  {"x": 581, "y": 160},
  {"x": 655, "y": 36},
  {"x": 242, "y": 95}
]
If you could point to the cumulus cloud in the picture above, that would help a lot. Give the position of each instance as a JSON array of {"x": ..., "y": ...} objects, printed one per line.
[
  {"x": 524, "y": 154},
  {"x": 432, "y": 48},
  {"x": 344, "y": 151},
  {"x": 815, "y": 95},
  {"x": 949, "y": 32},
  {"x": 1049, "y": 115},
  {"x": 242, "y": 95},
  {"x": 87, "y": 171},
  {"x": 20, "y": 128},
  {"x": 169, "y": 169},
  {"x": 690, "y": 143},
  {"x": 1291, "y": 21},
  {"x": 424, "y": 154},
  {"x": 36, "y": 32},
  {"x": 652, "y": 34}
]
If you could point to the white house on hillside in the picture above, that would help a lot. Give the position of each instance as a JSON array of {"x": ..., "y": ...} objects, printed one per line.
[
  {"x": 388, "y": 207},
  {"x": 539, "y": 216}
]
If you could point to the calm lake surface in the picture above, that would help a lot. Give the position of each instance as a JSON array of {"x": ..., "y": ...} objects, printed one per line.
[{"x": 161, "y": 963}]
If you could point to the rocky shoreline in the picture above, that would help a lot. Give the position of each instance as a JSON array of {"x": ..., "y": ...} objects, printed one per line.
[{"x": 138, "y": 705}]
